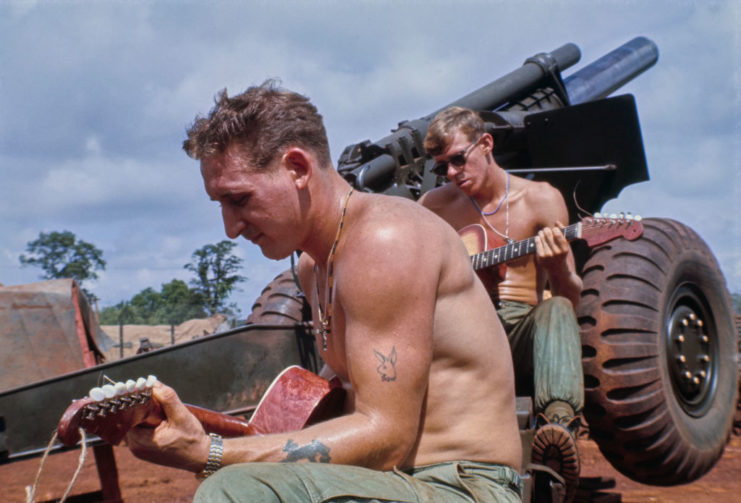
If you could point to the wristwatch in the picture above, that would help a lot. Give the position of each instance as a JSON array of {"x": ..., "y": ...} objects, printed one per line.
[{"x": 215, "y": 452}]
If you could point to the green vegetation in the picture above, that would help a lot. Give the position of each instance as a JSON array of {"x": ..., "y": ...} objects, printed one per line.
[
  {"x": 173, "y": 304},
  {"x": 62, "y": 255},
  {"x": 216, "y": 269}
]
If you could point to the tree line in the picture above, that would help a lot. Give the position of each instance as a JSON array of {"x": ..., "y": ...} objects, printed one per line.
[{"x": 214, "y": 266}]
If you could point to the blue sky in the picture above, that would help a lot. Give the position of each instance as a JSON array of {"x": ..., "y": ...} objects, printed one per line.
[{"x": 95, "y": 98}]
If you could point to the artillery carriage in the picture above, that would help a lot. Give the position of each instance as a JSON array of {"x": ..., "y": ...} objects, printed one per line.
[{"x": 659, "y": 344}]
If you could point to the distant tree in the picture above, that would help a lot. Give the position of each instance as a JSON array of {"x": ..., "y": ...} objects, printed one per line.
[
  {"x": 174, "y": 304},
  {"x": 216, "y": 270},
  {"x": 62, "y": 255},
  {"x": 180, "y": 303}
]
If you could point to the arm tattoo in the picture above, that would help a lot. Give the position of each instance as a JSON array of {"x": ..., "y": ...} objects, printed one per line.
[
  {"x": 387, "y": 365},
  {"x": 314, "y": 452}
]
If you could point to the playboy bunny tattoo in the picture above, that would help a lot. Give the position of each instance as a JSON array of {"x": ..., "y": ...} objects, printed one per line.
[{"x": 387, "y": 366}]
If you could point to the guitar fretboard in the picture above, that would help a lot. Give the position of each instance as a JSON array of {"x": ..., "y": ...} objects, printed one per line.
[{"x": 516, "y": 249}]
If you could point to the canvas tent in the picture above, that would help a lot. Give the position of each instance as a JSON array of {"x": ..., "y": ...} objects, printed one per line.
[{"x": 46, "y": 329}]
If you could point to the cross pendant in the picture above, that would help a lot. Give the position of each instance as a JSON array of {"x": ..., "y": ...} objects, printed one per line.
[{"x": 323, "y": 332}]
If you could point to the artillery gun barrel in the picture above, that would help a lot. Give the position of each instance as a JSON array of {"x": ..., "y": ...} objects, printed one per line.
[
  {"x": 375, "y": 165},
  {"x": 611, "y": 71},
  {"x": 518, "y": 81}
]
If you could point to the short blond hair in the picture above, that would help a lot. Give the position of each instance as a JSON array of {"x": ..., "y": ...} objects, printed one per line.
[{"x": 447, "y": 123}]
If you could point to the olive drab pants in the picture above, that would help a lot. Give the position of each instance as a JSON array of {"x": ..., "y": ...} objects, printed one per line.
[
  {"x": 451, "y": 482},
  {"x": 546, "y": 350}
]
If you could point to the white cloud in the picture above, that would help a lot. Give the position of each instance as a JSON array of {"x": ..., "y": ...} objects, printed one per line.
[{"x": 102, "y": 92}]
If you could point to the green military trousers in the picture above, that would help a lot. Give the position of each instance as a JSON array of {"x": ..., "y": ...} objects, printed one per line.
[
  {"x": 546, "y": 350},
  {"x": 452, "y": 482}
]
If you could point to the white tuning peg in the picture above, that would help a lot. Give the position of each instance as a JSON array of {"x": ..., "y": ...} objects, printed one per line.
[
  {"x": 637, "y": 218},
  {"x": 130, "y": 385},
  {"x": 96, "y": 394},
  {"x": 120, "y": 388},
  {"x": 108, "y": 390},
  {"x": 151, "y": 380},
  {"x": 141, "y": 384}
]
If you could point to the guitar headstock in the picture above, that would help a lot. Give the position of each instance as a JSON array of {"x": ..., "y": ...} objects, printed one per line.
[
  {"x": 109, "y": 411},
  {"x": 600, "y": 228}
]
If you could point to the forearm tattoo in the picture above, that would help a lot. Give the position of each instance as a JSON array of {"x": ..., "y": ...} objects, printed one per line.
[
  {"x": 314, "y": 452},
  {"x": 387, "y": 365}
]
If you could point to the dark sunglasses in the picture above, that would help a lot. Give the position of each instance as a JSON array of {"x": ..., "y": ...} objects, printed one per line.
[{"x": 458, "y": 160}]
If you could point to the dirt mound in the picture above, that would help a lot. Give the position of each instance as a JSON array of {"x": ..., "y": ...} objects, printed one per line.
[{"x": 156, "y": 336}]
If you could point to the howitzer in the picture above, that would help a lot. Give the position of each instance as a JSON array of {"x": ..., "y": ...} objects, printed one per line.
[
  {"x": 657, "y": 331},
  {"x": 541, "y": 123}
]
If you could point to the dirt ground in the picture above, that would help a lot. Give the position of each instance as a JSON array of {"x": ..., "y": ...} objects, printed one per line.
[{"x": 143, "y": 482}]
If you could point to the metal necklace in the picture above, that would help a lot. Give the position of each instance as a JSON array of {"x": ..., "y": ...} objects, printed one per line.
[
  {"x": 326, "y": 322},
  {"x": 504, "y": 236},
  {"x": 490, "y": 213}
]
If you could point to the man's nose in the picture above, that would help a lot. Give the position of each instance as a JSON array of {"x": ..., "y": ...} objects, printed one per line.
[
  {"x": 453, "y": 170},
  {"x": 233, "y": 224}
]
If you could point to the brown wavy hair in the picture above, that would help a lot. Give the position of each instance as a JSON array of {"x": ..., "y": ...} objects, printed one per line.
[{"x": 264, "y": 120}]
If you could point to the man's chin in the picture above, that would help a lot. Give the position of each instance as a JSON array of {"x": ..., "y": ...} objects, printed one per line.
[{"x": 273, "y": 253}]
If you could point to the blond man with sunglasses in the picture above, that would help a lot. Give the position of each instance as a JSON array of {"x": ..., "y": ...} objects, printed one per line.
[{"x": 535, "y": 295}]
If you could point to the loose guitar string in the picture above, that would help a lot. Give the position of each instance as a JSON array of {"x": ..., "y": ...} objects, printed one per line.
[{"x": 31, "y": 490}]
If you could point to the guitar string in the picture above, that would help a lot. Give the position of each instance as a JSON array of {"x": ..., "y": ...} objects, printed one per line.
[
  {"x": 31, "y": 490},
  {"x": 326, "y": 322}
]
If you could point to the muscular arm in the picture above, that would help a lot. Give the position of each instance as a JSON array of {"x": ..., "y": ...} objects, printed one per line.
[
  {"x": 553, "y": 252},
  {"x": 384, "y": 302}
]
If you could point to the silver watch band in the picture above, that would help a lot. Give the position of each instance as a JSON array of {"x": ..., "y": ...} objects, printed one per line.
[{"x": 215, "y": 453}]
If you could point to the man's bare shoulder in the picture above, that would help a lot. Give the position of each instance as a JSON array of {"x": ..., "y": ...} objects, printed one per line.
[
  {"x": 399, "y": 227},
  {"x": 440, "y": 197},
  {"x": 384, "y": 214},
  {"x": 537, "y": 192},
  {"x": 544, "y": 202}
]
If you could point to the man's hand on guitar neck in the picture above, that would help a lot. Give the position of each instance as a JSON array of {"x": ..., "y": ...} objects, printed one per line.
[
  {"x": 178, "y": 441},
  {"x": 552, "y": 253}
]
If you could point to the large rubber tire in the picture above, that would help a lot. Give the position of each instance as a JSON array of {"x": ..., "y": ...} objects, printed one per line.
[
  {"x": 659, "y": 354},
  {"x": 281, "y": 303}
]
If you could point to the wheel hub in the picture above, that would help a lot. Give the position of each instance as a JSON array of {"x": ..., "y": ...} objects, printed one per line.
[{"x": 690, "y": 353}]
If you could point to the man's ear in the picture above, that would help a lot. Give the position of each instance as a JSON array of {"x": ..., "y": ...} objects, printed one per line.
[
  {"x": 300, "y": 165},
  {"x": 488, "y": 142}
]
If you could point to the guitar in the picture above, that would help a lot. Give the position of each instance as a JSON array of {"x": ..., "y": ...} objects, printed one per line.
[
  {"x": 295, "y": 399},
  {"x": 594, "y": 230}
]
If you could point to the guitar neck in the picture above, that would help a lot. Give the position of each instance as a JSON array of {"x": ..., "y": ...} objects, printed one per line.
[
  {"x": 223, "y": 424},
  {"x": 517, "y": 249}
]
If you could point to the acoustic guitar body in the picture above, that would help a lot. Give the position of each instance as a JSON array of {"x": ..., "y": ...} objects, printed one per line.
[{"x": 477, "y": 240}]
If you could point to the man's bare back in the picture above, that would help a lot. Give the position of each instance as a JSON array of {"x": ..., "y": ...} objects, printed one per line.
[{"x": 468, "y": 409}]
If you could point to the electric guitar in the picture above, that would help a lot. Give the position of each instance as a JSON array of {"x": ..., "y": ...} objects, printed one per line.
[
  {"x": 295, "y": 399},
  {"x": 594, "y": 230}
]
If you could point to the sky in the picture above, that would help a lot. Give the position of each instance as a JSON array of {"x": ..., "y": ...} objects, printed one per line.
[{"x": 95, "y": 99}]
